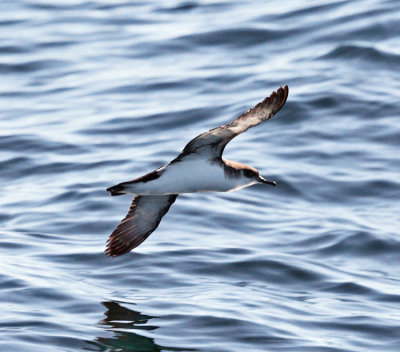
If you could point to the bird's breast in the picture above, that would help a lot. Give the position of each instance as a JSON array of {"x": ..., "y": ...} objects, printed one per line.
[{"x": 191, "y": 177}]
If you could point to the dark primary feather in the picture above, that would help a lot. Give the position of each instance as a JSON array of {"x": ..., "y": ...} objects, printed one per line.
[
  {"x": 213, "y": 142},
  {"x": 142, "y": 219}
]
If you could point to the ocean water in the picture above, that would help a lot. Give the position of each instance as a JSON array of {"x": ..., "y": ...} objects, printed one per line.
[{"x": 93, "y": 93}]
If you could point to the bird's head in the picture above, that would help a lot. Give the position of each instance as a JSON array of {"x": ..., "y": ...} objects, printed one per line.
[{"x": 254, "y": 174}]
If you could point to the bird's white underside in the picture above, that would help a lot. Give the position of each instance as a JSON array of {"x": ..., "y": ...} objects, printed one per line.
[{"x": 190, "y": 176}]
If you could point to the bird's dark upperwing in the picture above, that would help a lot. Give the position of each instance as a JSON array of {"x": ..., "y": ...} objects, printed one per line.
[
  {"x": 212, "y": 143},
  {"x": 142, "y": 219}
]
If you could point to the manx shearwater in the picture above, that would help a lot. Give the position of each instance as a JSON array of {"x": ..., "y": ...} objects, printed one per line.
[{"x": 199, "y": 168}]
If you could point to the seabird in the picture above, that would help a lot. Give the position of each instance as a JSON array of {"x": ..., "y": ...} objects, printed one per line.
[{"x": 199, "y": 168}]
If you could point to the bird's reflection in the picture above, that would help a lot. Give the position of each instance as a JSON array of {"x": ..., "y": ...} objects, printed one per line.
[
  {"x": 125, "y": 324},
  {"x": 119, "y": 317}
]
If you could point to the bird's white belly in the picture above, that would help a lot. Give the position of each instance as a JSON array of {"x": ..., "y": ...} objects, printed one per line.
[{"x": 190, "y": 177}]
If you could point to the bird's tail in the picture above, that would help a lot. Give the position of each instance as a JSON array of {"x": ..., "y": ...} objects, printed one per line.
[
  {"x": 131, "y": 186},
  {"x": 117, "y": 190}
]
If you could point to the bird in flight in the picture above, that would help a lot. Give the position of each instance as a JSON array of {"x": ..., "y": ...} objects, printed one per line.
[{"x": 199, "y": 168}]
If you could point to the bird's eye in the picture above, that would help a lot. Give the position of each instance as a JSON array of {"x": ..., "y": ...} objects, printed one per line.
[{"x": 248, "y": 173}]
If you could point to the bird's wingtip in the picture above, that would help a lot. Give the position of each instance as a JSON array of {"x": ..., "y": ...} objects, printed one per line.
[{"x": 283, "y": 94}]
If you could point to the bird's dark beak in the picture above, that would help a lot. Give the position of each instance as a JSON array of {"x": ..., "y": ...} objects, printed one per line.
[{"x": 268, "y": 182}]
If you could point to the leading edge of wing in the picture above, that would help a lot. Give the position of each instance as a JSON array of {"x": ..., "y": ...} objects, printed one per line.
[{"x": 214, "y": 141}]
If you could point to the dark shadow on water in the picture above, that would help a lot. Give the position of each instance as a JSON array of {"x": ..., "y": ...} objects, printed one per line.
[{"x": 125, "y": 325}]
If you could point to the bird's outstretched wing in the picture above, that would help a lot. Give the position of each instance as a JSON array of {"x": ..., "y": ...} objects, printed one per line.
[
  {"x": 142, "y": 219},
  {"x": 212, "y": 143}
]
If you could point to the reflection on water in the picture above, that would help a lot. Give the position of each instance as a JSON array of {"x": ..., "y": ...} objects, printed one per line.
[{"x": 125, "y": 324}]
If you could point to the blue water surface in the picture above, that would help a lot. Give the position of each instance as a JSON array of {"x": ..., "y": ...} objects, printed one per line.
[{"x": 93, "y": 93}]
